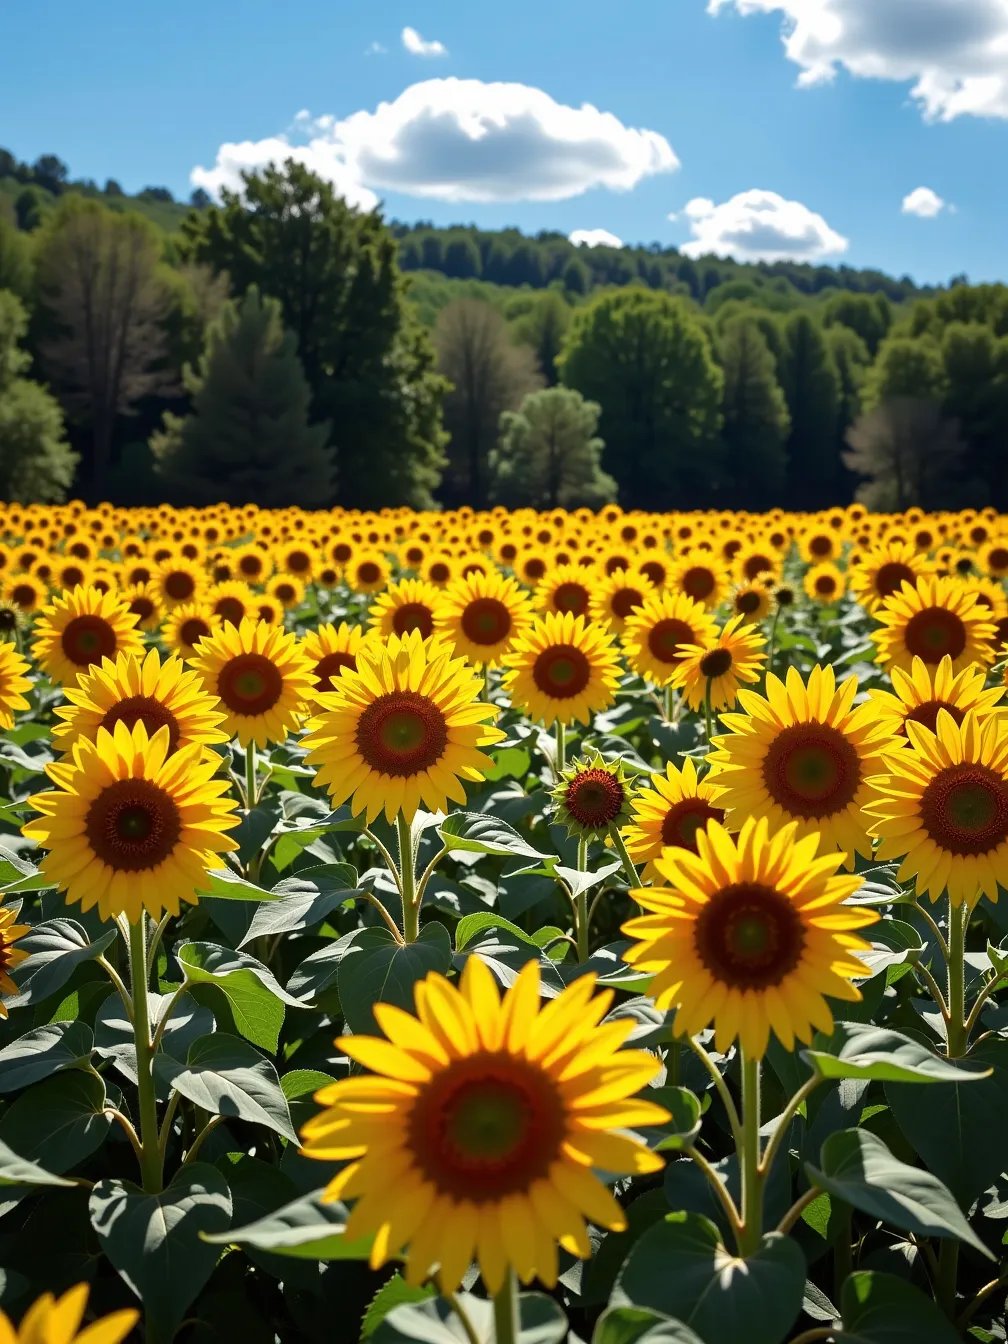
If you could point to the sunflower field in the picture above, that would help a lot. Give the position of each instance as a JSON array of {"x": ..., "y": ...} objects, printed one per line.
[{"x": 482, "y": 928}]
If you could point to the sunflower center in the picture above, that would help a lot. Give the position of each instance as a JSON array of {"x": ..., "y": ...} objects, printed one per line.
[
  {"x": 328, "y": 669},
  {"x": 402, "y": 733},
  {"x": 891, "y": 577},
  {"x": 133, "y": 825},
  {"x": 179, "y": 585},
  {"x": 488, "y": 1126},
  {"x": 626, "y": 600},
  {"x": 665, "y": 638},
  {"x": 698, "y": 582},
  {"x": 933, "y": 633},
  {"x": 192, "y": 630},
  {"x": 825, "y": 585},
  {"x": 413, "y": 616},
  {"x": 249, "y": 684},
  {"x": 594, "y": 797},
  {"x": 746, "y": 604},
  {"x": 148, "y": 711},
  {"x": 684, "y": 819},
  {"x": 486, "y": 620},
  {"x": 811, "y": 770},
  {"x": 572, "y": 597},
  {"x": 231, "y": 610},
  {"x": 87, "y": 640},
  {"x": 438, "y": 573},
  {"x": 821, "y": 546},
  {"x": 927, "y": 714},
  {"x": 965, "y": 809},
  {"x": 299, "y": 562},
  {"x": 8, "y": 619},
  {"x": 142, "y": 608},
  {"x": 23, "y": 595},
  {"x": 655, "y": 571},
  {"x": 716, "y": 663},
  {"x": 998, "y": 558},
  {"x": 534, "y": 568},
  {"x": 561, "y": 671},
  {"x": 749, "y": 936},
  {"x": 754, "y": 565}
]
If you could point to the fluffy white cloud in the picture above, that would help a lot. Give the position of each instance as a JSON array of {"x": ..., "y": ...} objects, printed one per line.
[
  {"x": 461, "y": 140},
  {"x": 954, "y": 52},
  {"x": 416, "y": 46},
  {"x": 924, "y": 203},
  {"x": 594, "y": 238},
  {"x": 760, "y": 226}
]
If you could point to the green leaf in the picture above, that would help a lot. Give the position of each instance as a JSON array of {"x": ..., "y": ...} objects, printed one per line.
[
  {"x": 114, "y": 1031},
  {"x": 540, "y": 1321},
  {"x": 858, "y": 1168},
  {"x": 894, "y": 943},
  {"x": 306, "y": 1229},
  {"x": 18, "y": 874},
  {"x": 17, "y": 1170},
  {"x": 471, "y": 925},
  {"x": 509, "y": 763},
  {"x": 638, "y": 1325},
  {"x": 685, "y": 1109},
  {"x": 680, "y": 1268},
  {"x": 580, "y": 881},
  {"x": 601, "y": 1271},
  {"x": 316, "y": 975},
  {"x": 252, "y": 991},
  {"x": 155, "y": 1243},
  {"x": 302, "y": 1082},
  {"x": 961, "y": 1132},
  {"x": 303, "y": 901},
  {"x": 297, "y": 834},
  {"x": 862, "y": 1050},
  {"x": 481, "y": 834},
  {"x": 396, "y": 1293},
  {"x": 880, "y": 1308},
  {"x": 40, "y": 1053},
  {"x": 61, "y": 1121},
  {"x": 228, "y": 1077},
  {"x": 378, "y": 967},
  {"x": 55, "y": 950},
  {"x": 224, "y": 884}
]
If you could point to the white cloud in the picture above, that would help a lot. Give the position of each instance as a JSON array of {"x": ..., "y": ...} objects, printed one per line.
[
  {"x": 463, "y": 140},
  {"x": 376, "y": 49},
  {"x": 760, "y": 226},
  {"x": 924, "y": 203},
  {"x": 594, "y": 238},
  {"x": 953, "y": 52},
  {"x": 416, "y": 46}
]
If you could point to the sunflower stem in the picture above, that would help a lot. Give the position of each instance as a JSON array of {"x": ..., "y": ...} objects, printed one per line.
[
  {"x": 250, "y": 776},
  {"x": 150, "y": 1145},
  {"x": 668, "y": 704},
  {"x": 506, "y": 1310},
  {"x": 561, "y": 748},
  {"x": 407, "y": 881},
  {"x": 751, "y": 1232},
  {"x": 581, "y": 906},
  {"x": 621, "y": 849},
  {"x": 957, "y": 1035},
  {"x": 948, "y": 1273}
]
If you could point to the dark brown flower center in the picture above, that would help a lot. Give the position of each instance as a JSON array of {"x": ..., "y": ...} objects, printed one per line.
[
  {"x": 927, "y": 714},
  {"x": 572, "y": 597},
  {"x": 964, "y": 809},
  {"x": 298, "y": 562},
  {"x": 439, "y": 572},
  {"x": 716, "y": 663},
  {"x": 698, "y": 582},
  {"x": 625, "y": 600},
  {"x": 251, "y": 566},
  {"x": 192, "y": 630},
  {"x": 594, "y": 797},
  {"x": 561, "y": 671},
  {"x": 821, "y": 545},
  {"x": 749, "y": 936},
  {"x": 756, "y": 564},
  {"x": 329, "y": 668},
  {"x": 811, "y": 770},
  {"x": 144, "y": 709},
  {"x": 655, "y": 571},
  {"x": 747, "y": 603},
  {"x": 179, "y": 585},
  {"x": 132, "y": 825},
  {"x": 486, "y": 620},
  {"x": 413, "y": 616},
  {"x": 684, "y": 819},
  {"x": 24, "y": 596},
  {"x": 402, "y": 733},
  {"x": 249, "y": 684},
  {"x": 231, "y": 610},
  {"x": 891, "y": 577},
  {"x": 933, "y": 633},
  {"x": 87, "y": 640},
  {"x": 825, "y": 585},
  {"x": 666, "y": 638},
  {"x": 534, "y": 568}
]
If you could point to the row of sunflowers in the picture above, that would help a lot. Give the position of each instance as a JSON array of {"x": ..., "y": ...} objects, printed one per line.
[{"x": 471, "y": 927}]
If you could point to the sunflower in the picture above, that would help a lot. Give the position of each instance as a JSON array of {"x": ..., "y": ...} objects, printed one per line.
[
  {"x": 562, "y": 670},
  {"x": 263, "y": 677},
  {"x": 716, "y": 668},
  {"x": 403, "y": 727},
  {"x": 78, "y": 629},
  {"x": 942, "y": 807},
  {"x": 477, "y": 1129},
  {"x": 993, "y": 558},
  {"x": 883, "y": 570},
  {"x": 268, "y": 611},
  {"x": 824, "y": 583},
  {"x": 990, "y": 595},
  {"x": 298, "y": 559},
  {"x": 145, "y": 690},
  {"x": 67, "y": 573},
  {"x": 186, "y": 626},
  {"x": 592, "y": 795},
  {"x": 367, "y": 572},
  {"x": 753, "y": 601},
  {"x": 410, "y": 604},
  {"x": 10, "y": 956},
  {"x": 287, "y": 590},
  {"x": 616, "y": 596},
  {"x": 12, "y": 620},
  {"x": 129, "y": 826},
  {"x": 751, "y": 933},
  {"x": 566, "y": 588},
  {"x": 178, "y": 582},
  {"x": 483, "y": 615},
  {"x": 52, "y": 1320},
  {"x": 530, "y": 565},
  {"x": 758, "y": 560},
  {"x": 669, "y": 813},
  {"x": 252, "y": 564},
  {"x": 937, "y": 616},
  {"x": 13, "y": 680},
  {"x": 657, "y": 631},
  {"x": 802, "y": 754},
  {"x": 143, "y": 603},
  {"x": 923, "y": 691},
  {"x": 329, "y": 650},
  {"x": 231, "y": 600},
  {"x": 25, "y": 592},
  {"x": 440, "y": 570},
  {"x": 697, "y": 575},
  {"x": 819, "y": 544}
]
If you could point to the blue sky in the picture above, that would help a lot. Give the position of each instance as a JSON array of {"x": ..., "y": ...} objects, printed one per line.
[{"x": 897, "y": 95}]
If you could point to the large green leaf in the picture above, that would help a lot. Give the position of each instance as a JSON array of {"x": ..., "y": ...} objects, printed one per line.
[
  {"x": 226, "y": 1076},
  {"x": 481, "y": 834},
  {"x": 471, "y": 926},
  {"x": 395, "y": 1293},
  {"x": 316, "y": 975},
  {"x": 17, "y": 1170},
  {"x": 40, "y": 1053},
  {"x": 638, "y": 1325},
  {"x": 19, "y": 874},
  {"x": 961, "y": 1132},
  {"x": 680, "y": 1268},
  {"x": 59, "y": 1122},
  {"x": 883, "y": 1309},
  {"x": 307, "y": 1229},
  {"x": 114, "y": 1031},
  {"x": 862, "y": 1050},
  {"x": 858, "y": 1168},
  {"x": 224, "y": 884},
  {"x": 433, "y": 1321},
  {"x": 55, "y": 950},
  {"x": 303, "y": 901},
  {"x": 154, "y": 1241},
  {"x": 293, "y": 834},
  {"x": 255, "y": 997},
  {"x": 378, "y": 967}
]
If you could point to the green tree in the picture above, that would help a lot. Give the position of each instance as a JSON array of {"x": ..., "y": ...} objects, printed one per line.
[
  {"x": 867, "y": 315},
  {"x": 368, "y": 361},
  {"x": 36, "y": 463},
  {"x": 852, "y": 362},
  {"x": 906, "y": 366},
  {"x": 549, "y": 455},
  {"x": 909, "y": 453},
  {"x": 810, "y": 384},
  {"x": 543, "y": 328},
  {"x": 646, "y": 358},
  {"x": 248, "y": 440},
  {"x": 976, "y": 371},
  {"x": 15, "y": 260},
  {"x": 756, "y": 421}
]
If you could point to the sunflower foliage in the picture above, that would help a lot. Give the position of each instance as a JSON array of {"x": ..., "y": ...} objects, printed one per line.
[{"x": 479, "y": 926}]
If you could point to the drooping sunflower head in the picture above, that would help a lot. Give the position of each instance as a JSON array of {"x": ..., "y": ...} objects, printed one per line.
[
  {"x": 405, "y": 727},
  {"x": 474, "y": 1134},
  {"x": 802, "y": 753},
  {"x": 130, "y": 827},
  {"x": 330, "y": 649},
  {"x": 616, "y": 596},
  {"x": 592, "y": 795},
  {"x": 669, "y": 814},
  {"x": 658, "y": 630},
  {"x": 10, "y": 956},
  {"x": 562, "y": 670},
  {"x": 883, "y": 570},
  {"x": 78, "y": 629},
  {"x": 410, "y": 604},
  {"x": 262, "y": 677},
  {"x": 923, "y": 691},
  {"x": 14, "y": 681},
  {"x": 187, "y": 625},
  {"x": 483, "y": 614},
  {"x": 942, "y": 807},
  {"x": 824, "y": 583},
  {"x": 935, "y": 618},
  {"x": 718, "y": 669},
  {"x": 750, "y": 933},
  {"x": 140, "y": 690}
]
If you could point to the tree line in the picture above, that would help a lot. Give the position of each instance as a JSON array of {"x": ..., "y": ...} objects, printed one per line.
[{"x": 277, "y": 348}]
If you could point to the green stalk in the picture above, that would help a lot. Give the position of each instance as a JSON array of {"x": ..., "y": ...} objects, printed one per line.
[
  {"x": 749, "y": 1159},
  {"x": 561, "y": 747},
  {"x": 150, "y": 1146},
  {"x": 843, "y": 1261},
  {"x": 957, "y": 1035},
  {"x": 581, "y": 906},
  {"x": 407, "y": 882},
  {"x": 948, "y": 1273},
  {"x": 250, "y": 776},
  {"x": 628, "y": 864},
  {"x": 506, "y": 1319}
]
